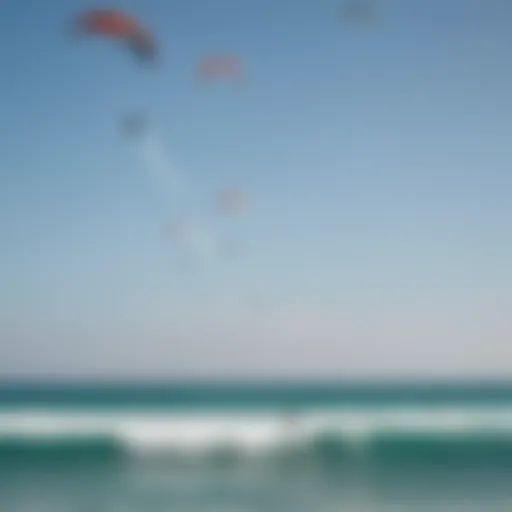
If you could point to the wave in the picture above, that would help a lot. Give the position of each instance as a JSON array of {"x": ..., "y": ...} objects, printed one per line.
[{"x": 393, "y": 435}]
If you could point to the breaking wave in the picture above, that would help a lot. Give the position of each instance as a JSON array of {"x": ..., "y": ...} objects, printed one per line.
[{"x": 404, "y": 435}]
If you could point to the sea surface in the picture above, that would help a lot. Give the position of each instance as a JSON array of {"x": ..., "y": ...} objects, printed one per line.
[{"x": 255, "y": 447}]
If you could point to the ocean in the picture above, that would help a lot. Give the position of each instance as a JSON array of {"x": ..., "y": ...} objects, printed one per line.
[{"x": 255, "y": 447}]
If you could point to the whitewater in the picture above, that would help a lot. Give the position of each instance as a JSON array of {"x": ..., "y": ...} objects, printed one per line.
[{"x": 250, "y": 433}]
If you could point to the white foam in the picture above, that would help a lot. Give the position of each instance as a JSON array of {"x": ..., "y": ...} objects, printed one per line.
[{"x": 150, "y": 433}]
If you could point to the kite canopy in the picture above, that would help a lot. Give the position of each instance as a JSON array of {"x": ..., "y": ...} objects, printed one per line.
[
  {"x": 359, "y": 11},
  {"x": 115, "y": 24},
  {"x": 134, "y": 125},
  {"x": 220, "y": 66},
  {"x": 232, "y": 201}
]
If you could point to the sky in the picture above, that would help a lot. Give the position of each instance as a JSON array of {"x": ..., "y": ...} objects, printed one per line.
[{"x": 376, "y": 159}]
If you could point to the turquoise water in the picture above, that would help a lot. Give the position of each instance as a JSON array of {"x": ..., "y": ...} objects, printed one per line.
[{"x": 213, "y": 447}]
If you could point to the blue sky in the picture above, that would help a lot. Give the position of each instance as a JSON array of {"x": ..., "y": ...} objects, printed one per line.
[{"x": 377, "y": 159}]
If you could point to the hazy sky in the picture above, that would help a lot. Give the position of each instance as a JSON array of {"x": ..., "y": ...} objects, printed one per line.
[{"x": 378, "y": 160}]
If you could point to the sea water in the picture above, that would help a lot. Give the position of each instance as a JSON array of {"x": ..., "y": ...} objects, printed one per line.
[{"x": 239, "y": 447}]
